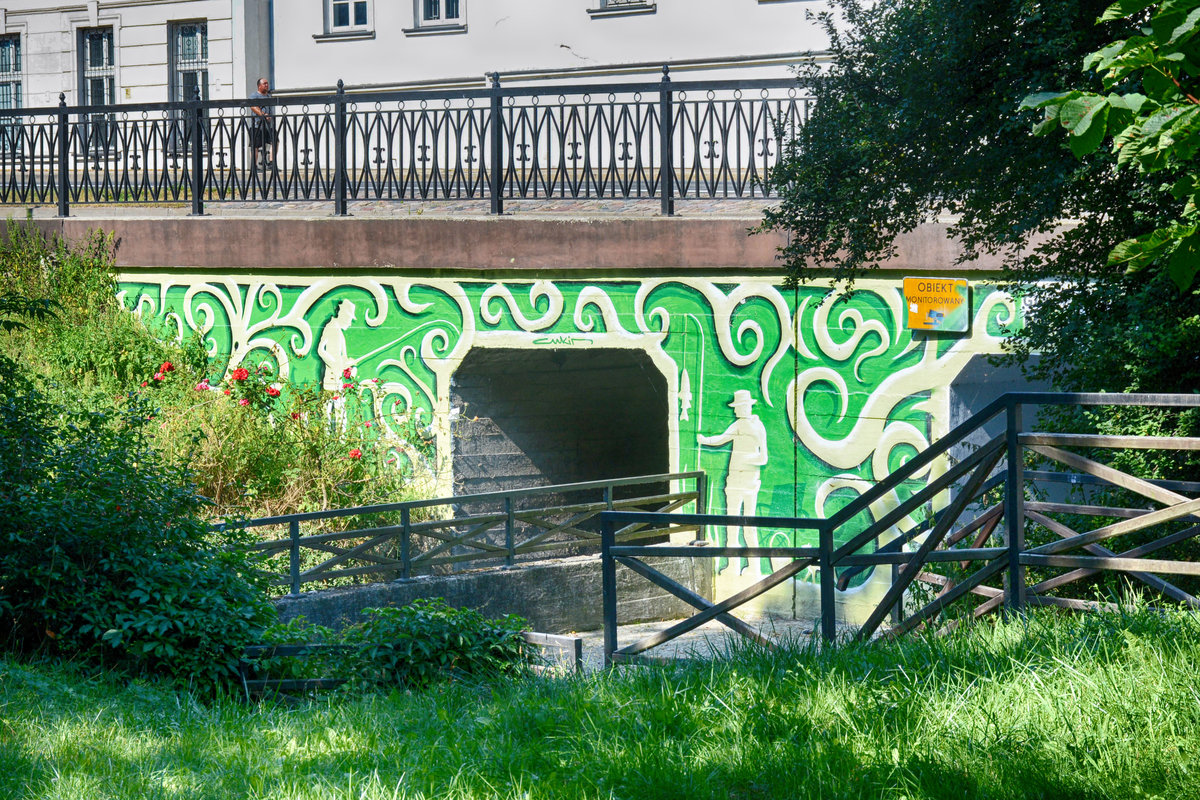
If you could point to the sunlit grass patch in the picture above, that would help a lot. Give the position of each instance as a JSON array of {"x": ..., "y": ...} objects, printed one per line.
[{"x": 1090, "y": 707}]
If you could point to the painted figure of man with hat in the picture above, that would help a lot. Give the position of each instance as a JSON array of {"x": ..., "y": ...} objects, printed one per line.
[{"x": 746, "y": 456}]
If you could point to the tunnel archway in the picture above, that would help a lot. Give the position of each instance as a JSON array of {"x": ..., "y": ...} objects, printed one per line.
[{"x": 525, "y": 418}]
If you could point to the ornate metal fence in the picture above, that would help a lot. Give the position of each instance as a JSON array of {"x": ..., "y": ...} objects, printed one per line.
[
  {"x": 659, "y": 140},
  {"x": 963, "y": 535}
]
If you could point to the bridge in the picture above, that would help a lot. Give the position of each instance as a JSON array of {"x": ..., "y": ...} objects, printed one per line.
[{"x": 589, "y": 331}]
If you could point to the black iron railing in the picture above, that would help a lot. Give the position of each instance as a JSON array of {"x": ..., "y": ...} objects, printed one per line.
[
  {"x": 661, "y": 140},
  {"x": 973, "y": 548},
  {"x": 417, "y": 537}
]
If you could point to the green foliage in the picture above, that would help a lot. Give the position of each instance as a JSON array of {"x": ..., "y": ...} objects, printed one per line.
[
  {"x": 918, "y": 116},
  {"x": 90, "y": 345},
  {"x": 257, "y": 445},
  {"x": 104, "y": 552},
  {"x": 1150, "y": 112},
  {"x": 915, "y": 118},
  {"x": 417, "y": 644},
  {"x": 413, "y": 646}
]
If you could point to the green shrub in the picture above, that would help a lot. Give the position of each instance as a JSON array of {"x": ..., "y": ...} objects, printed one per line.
[
  {"x": 256, "y": 445},
  {"x": 412, "y": 646},
  {"x": 105, "y": 554},
  {"x": 417, "y": 644}
]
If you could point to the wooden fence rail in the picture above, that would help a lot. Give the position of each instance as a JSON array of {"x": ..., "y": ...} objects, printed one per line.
[{"x": 963, "y": 534}]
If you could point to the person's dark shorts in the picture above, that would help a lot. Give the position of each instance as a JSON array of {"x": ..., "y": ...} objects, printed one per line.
[{"x": 262, "y": 133}]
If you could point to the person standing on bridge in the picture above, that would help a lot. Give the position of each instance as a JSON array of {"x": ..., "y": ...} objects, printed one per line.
[
  {"x": 746, "y": 457},
  {"x": 262, "y": 126}
]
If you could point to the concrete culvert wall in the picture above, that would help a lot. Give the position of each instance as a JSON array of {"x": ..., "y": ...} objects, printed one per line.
[{"x": 538, "y": 418}]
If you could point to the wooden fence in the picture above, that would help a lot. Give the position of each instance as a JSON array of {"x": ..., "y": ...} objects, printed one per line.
[
  {"x": 472, "y": 531},
  {"x": 963, "y": 534}
]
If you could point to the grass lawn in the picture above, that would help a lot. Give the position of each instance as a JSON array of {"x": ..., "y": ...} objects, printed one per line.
[{"x": 1089, "y": 707}]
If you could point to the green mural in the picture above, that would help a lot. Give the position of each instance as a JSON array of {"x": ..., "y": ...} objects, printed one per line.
[{"x": 791, "y": 404}]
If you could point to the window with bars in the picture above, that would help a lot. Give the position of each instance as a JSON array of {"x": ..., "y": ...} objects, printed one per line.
[
  {"x": 189, "y": 60},
  {"x": 97, "y": 86},
  {"x": 348, "y": 15},
  {"x": 10, "y": 71},
  {"x": 97, "y": 73}
]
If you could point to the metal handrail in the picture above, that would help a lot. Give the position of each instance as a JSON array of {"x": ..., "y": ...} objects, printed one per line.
[
  {"x": 981, "y": 475},
  {"x": 339, "y": 555},
  {"x": 662, "y": 140}
]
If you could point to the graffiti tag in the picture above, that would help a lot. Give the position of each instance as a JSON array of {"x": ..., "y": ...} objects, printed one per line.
[{"x": 563, "y": 339}]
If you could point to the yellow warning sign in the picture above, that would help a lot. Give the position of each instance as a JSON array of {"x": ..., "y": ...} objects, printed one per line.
[{"x": 937, "y": 304}]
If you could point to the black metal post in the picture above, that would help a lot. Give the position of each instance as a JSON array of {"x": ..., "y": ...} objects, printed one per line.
[
  {"x": 294, "y": 565},
  {"x": 339, "y": 175},
  {"x": 497, "y": 174},
  {"x": 509, "y": 526},
  {"x": 64, "y": 185},
  {"x": 666, "y": 166},
  {"x": 405, "y": 538},
  {"x": 197, "y": 169},
  {"x": 608, "y": 577},
  {"x": 828, "y": 583},
  {"x": 898, "y": 606},
  {"x": 1014, "y": 511},
  {"x": 702, "y": 504}
]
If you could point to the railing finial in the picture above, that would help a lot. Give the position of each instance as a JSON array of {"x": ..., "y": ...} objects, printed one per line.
[
  {"x": 666, "y": 73},
  {"x": 62, "y": 99},
  {"x": 341, "y": 86},
  {"x": 494, "y": 77}
]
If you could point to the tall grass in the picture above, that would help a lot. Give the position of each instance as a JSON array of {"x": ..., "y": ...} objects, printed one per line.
[{"x": 1091, "y": 707}]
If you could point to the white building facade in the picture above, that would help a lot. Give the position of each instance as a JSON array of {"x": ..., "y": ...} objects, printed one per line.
[
  {"x": 385, "y": 44},
  {"x": 130, "y": 51},
  {"x": 142, "y": 51}
]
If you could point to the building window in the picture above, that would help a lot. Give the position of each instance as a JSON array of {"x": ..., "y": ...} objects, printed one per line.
[
  {"x": 348, "y": 15},
  {"x": 189, "y": 60},
  {"x": 435, "y": 11},
  {"x": 438, "y": 16},
  {"x": 622, "y": 8},
  {"x": 10, "y": 71},
  {"x": 97, "y": 75},
  {"x": 97, "y": 87}
]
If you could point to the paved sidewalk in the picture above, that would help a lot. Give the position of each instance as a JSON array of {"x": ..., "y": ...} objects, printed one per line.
[
  {"x": 390, "y": 209},
  {"x": 711, "y": 640}
]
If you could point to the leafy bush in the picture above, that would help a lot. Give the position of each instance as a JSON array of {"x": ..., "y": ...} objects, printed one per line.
[
  {"x": 427, "y": 639},
  {"x": 256, "y": 444},
  {"x": 104, "y": 552},
  {"x": 412, "y": 646}
]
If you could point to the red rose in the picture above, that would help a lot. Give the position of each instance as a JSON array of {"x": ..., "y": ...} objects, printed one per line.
[
  {"x": 356, "y": 453},
  {"x": 226, "y": 391},
  {"x": 239, "y": 374},
  {"x": 167, "y": 366},
  {"x": 272, "y": 391},
  {"x": 346, "y": 373},
  {"x": 295, "y": 415}
]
